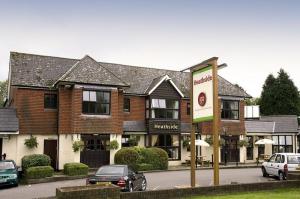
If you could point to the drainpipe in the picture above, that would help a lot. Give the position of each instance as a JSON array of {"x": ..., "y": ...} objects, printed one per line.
[{"x": 58, "y": 140}]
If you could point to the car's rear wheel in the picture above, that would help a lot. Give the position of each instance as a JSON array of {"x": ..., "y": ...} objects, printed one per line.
[
  {"x": 264, "y": 172},
  {"x": 143, "y": 185},
  {"x": 281, "y": 176}
]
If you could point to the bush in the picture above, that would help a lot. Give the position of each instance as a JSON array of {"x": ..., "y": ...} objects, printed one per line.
[
  {"x": 35, "y": 160},
  {"x": 145, "y": 167},
  {"x": 143, "y": 159},
  {"x": 128, "y": 156},
  {"x": 39, "y": 172},
  {"x": 75, "y": 169},
  {"x": 162, "y": 158}
]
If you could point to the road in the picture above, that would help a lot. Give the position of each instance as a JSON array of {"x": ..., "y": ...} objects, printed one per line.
[{"x": 157, "y": 180}]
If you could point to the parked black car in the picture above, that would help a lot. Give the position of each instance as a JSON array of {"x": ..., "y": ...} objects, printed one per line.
[
  {"x": 120, "y": 175},
  {"x": 8, "y": 173}
]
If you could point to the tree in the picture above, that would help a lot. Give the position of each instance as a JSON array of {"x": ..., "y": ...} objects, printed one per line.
[
  {"x": 253, "y": 101},
  {"x": 279, "y": 96},
  {"x": 3, "y": 92}
]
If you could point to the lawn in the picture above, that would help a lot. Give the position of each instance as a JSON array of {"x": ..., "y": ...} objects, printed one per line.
[{"x": 292, "y": 193}]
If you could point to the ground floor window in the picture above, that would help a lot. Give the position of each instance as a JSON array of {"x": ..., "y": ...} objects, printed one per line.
[
  {"x": 283, "y": 144},
  {"x": 249, "y": 139},
  {"x": 261, "y": 147},
  {"x": 168, "y": 142}
]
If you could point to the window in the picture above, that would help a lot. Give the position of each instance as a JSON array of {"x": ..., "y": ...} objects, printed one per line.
[
  {"x": 125, "y": 139},
  {"x": 96, "y": 102},
  {"x": 261, "y": 147},
  {"x": 230, "y": 110},
  {"x": 250, "y": 148},
  {"x": 126, "y": 107},
  {"x": 168, "y": 142},
  {"x": 164, "y": 109},
  {"x": 188, "y": 108},
  {"x": 283, "y": 144},
  {"x": 50, "y": 101}
]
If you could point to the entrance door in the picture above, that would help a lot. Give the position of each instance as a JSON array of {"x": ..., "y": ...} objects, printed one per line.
[
  {"x": 50, "y": 149},
  {"x": 0, "y": 148},
  {"x": 230, "y": 152},
  {"x": 96, "y": 150}
]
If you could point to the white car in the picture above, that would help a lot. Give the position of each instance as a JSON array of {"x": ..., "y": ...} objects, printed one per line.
[{"x": 280, "y": 163}]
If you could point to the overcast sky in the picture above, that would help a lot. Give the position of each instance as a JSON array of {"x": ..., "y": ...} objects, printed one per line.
[{"x": 255, "y": 38}]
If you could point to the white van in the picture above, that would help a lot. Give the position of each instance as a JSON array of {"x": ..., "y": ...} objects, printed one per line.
[{"x": 280, "y": 163}]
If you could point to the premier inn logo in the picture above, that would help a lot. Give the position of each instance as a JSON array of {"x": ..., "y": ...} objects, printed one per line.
[{"x": 166, "y": 126}]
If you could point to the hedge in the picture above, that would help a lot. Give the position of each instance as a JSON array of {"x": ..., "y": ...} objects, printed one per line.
[
  {"x": 39, "y": 172},
  {"x": 75, "y": 169},
  {"x": 35, "y": 160},
  {"x": 128, "y": 156},
  {"x": 143, "y": 159}
]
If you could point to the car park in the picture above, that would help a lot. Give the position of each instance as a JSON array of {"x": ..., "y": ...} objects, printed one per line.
[
  {"x": 280, "y": 163},
  {"x": 121, "y": 175},
  {"x": 8, "y": 173}
]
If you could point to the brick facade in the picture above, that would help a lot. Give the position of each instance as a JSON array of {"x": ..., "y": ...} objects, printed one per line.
[
  {"x": 137, "y": 109},
  {"x": 33, "y": 118}
]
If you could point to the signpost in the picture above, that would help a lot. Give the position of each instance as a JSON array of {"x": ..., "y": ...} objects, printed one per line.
[{"x": 204, "y": 103}]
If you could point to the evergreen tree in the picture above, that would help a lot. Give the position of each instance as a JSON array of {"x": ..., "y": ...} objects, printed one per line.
[
  {"x": 3, "y": 91},
  {"x": 279, "y": 96}
]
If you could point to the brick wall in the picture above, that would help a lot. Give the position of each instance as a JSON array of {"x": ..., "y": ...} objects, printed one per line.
[
  {"x": 82, "y": 123},
  {"x": 65, "y": 110},
  {"x": 183, "y": 111},
  {"x": 33, "y": 118},
  {"x": 232, "y": 127},
  {"x": 137, "y": 109}
]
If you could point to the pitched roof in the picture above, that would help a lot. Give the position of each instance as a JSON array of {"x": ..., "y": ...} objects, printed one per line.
[
  {"x": 44, "y": 71},
  {"x": 283, "y": 123},
  {"x": 88, "y": 71},
  {"x": 257, "y": 126},
  {"x": 8, "y": 120}
]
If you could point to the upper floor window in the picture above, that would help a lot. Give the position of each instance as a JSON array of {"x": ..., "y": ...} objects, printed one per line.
[
  {"x": 96, "y": 102},
  {"x": 50, "y": 101},
  {"x": 188, "y": 108},
  {"x": 126, "y": 107},
  {"x": 230, "y": 109},
  {"x": 164, "y": 108}
]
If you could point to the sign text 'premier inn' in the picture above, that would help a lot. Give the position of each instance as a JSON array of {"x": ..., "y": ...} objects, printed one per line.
[{"x": 203, "y": 95}]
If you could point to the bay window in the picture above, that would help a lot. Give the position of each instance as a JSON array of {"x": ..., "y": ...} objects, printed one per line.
[
  {"x": 168, "y": 142},
  {"x": 164, "y": 109}
]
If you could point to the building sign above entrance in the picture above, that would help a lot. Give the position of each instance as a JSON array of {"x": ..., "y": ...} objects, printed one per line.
[
  {"x": 163, "y": 126},
  {"x": 203, "y": 95},
  {"x": 166, "y": 126}
]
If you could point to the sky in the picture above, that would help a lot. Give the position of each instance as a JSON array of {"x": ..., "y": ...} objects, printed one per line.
[{"x": 255, "y": 38}]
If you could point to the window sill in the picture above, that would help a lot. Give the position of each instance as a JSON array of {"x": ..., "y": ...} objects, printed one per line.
[
  {"x": 50, "y": 109},
  {"x": 224, "y": 120},
  {"x": 96, "y": 116}
]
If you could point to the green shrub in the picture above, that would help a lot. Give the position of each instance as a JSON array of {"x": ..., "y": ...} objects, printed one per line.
[
  {"x": 145, "y": 167},
  {"x": 127, "y": 155},
  {"x": 39, "y": 172},
  {"x": 143, "y": 159},
  {"x": 162, "y": 158},
  {"x": 75, "y": 169},
  {"x": 35, "y": 160}
]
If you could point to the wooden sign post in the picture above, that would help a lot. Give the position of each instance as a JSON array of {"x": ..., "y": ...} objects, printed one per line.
[{"x": 205, "y": 107}]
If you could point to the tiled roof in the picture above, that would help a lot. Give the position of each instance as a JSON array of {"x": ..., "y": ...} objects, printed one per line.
[
  {"x": 8, "y": 120},
  {"x": 134, "y": 126},
  {"x": 283, "y": 123},
  {"x": 44, "y": 71},
  {"x": 257, "y": 126},
  {"x": 88, "y": 71}
]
